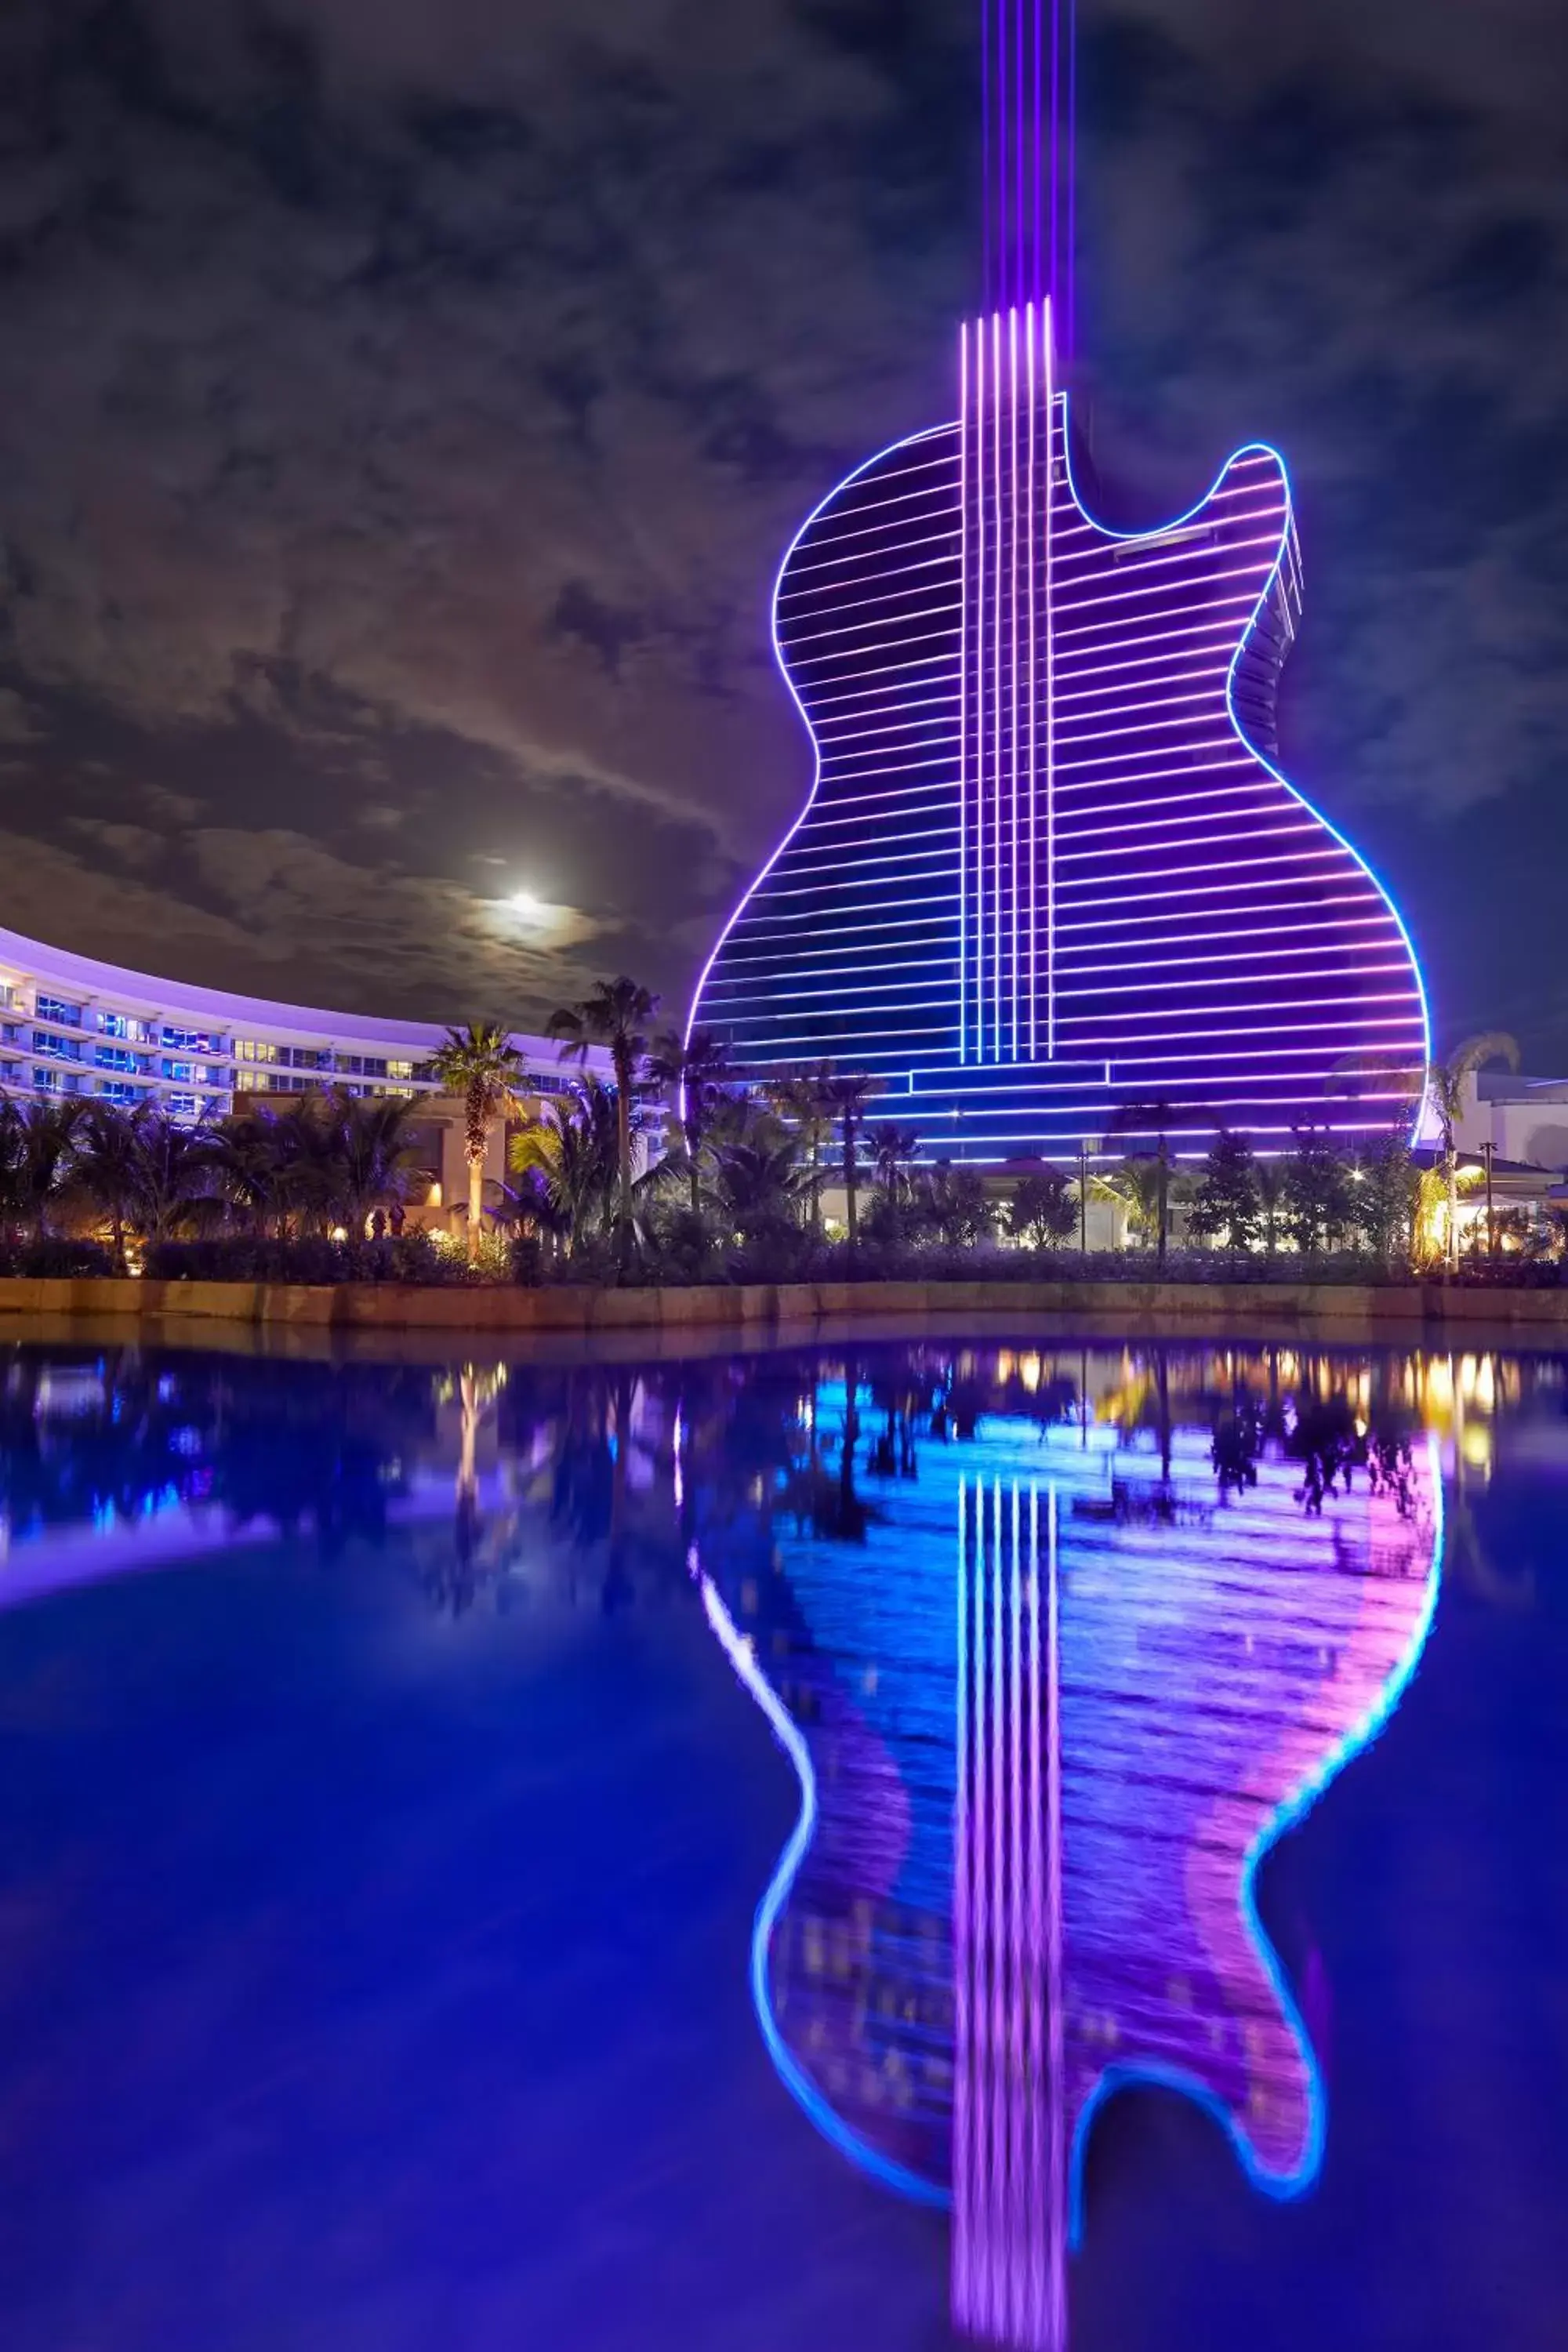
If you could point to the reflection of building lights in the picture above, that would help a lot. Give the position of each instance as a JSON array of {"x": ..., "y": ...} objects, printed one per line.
[{"x": 1477, "y": 1446}]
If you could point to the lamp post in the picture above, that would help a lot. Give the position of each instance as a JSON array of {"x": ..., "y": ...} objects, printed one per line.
[{"x": 1084, "y": 1142}]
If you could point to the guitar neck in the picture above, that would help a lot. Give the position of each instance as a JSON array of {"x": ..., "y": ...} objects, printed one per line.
[{"x": 1030, "y": 76}]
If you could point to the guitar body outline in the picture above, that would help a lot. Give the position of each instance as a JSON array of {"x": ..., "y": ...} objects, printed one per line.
[
  {"x": 1394, "y": 1636},
  {"x": 856, "y": 940}
]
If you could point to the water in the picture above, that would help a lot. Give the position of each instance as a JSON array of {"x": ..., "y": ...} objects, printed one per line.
[{"x": 504, "y": 1854}]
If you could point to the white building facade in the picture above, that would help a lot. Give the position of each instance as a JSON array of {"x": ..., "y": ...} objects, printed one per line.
[{"x": 70, "y": 1027}]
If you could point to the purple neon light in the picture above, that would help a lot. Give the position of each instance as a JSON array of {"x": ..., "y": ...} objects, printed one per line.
[{"x": 1111, "y": 679}]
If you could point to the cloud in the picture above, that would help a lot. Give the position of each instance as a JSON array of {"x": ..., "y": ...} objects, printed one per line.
[{"x": 404, "y": 404}]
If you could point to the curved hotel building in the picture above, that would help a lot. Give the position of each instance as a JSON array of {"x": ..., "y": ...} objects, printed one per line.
[{"x": 72, "y": 1026}]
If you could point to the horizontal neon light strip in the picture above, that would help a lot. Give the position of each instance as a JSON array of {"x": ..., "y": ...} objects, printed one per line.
[
  {"x": 832, "y": 972},
  {"x": 837, "y": 560},
  {"x": 1249, "y": 985},
  {"x": 1284, "y": 823},
  {"x": 903, "y": 615},
  {"x": 1292, "y": 907}
]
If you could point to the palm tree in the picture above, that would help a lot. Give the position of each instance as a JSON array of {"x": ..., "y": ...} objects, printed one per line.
[
  {"x": 108, "y": 1167},
  {"x": 892, "y": 1149},
  {"x": 376, "y": 1160},
  {"x": 1140, "y": 1185},
  {"x": 614, "y": 1015},
  {"x": 1157, "y": 1117},
  {"x": 801, "y": 1099},
  {"x": 758, "y": 1180},
  {"x": 846, "y": 1094},
  {"x": 696, "y": 1069},
  {"x": 572, "y": 1153},
  {"x": 481, "y": 1065},
  {"x": 1437, "y": 1089},
  {"x": 174, "y": 1188},
  {"x": 251, "y": 1157},
  {"x": 37, "y": 1143}
]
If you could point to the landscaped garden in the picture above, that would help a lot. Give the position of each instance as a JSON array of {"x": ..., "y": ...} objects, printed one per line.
[{"x": 672, "y": 1170}]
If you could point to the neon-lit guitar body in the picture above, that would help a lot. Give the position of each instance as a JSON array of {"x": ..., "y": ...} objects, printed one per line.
[
  {"x": 1047, "y": 866},
  {"x": 1048, "y": 869},
  {"x": 1048, "y": 1719}
]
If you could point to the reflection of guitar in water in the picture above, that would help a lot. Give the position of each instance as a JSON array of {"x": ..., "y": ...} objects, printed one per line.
[
  {"x": 1047, "y": 868},
  {"x": 1047, "y": 1726}
]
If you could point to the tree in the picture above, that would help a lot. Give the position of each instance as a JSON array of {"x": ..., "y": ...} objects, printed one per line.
[
  {"x": 573, "y": 1152},
  {"x": 1386, "y": 1199},
  {"x": 38, "y": 1145},
  {"x": 1042, "y": 1211},
  {"x": 757, "y": 1182},
  {"x": 1436, "y": 1091},
  {"x": 376, "y": 1159},
  {"x": 615, "y": 1015},
  {"x": 1270, "y": 1178},
  {"x": 1157, "y": 1118},
  {"x": 108, "y": 1168},
  {"x": 1140, "y": 1185},
  {"x": 846, "y": 1094},
  {"x": 893, "y": 1148},
  {"x": 801, "y": 1097},
  {"x": 483, "y": 1066},
  {"x": 251, "y": 1152},
  {"x": 1317, "y": 1192},
  {"x": 955, "y": 1204},
  {"x": 1224, "y": 1207},
  {"x": 697, "y": 1071},
  {"x": 174, "y": 1188}
]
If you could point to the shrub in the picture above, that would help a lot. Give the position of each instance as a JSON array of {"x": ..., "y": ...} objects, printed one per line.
[
  {"x": 56, "y": 1260},
  {"x": 243, "y": 1257}
]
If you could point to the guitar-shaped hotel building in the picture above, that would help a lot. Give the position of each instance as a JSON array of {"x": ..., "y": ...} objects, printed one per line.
[{"x": 1049, "y": 868}]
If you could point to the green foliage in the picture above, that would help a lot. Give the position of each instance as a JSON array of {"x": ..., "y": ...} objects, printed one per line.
[
  {"x": 954, "y": 1205},
  {"x": 1224, "y": 1206},
  {"x": 1384, "y": 1200},
  {"x": 1042, "y": 1211},
  {"x": 1317, "y": 1193},
  {"x": 614, "y": 1015}
]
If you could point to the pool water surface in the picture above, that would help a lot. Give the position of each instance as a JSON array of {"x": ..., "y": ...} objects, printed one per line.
[{"x": 1037, "y": 1840}]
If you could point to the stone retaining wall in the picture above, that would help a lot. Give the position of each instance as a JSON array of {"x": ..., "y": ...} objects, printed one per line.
[{"x": 386, "y": 1306}]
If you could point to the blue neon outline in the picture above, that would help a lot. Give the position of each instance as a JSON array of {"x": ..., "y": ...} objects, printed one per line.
[
  {"x": 1153, "y": 531},
  {"x": 1294, "y": 1808},
  {"x": 1287, "y": 1815},
  {"x": 907, "y": 441},
  {"x": 793, "y": 2076}
]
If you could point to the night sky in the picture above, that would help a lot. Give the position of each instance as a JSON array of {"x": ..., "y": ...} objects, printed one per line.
[{"x": 405, "y": 405}]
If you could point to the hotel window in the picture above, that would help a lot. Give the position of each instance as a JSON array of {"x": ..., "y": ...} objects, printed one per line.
[
  {"x": 60, "y": 1049},
  {"x": 115, "y": 1058},
  {"x": 181, "y": 1105},
  {"x": 193, "y": 1040},
  {"x": 54, "y": 1008},
  {"x": 307, "y": 1057},
  {"x": 126, "y": 1025},
  {"x": 46, "y": 1082},
  {"x": 116, "y": 1090},
  {"x": 182, "y": 1071},
  {"x": 254, "y": 1049},
  {"x": 373, "y": 1068},
  {"x": 400, "y": 1069}
]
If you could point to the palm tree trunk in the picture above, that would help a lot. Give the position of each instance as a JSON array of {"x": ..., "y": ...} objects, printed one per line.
[
  {"x": 850, "y": 1176},
  {"x": 476, "y": 1201},
  {"x": 694, "y": 1145},
  {"x": 1451, "y": 1171},
  {"x": 623, "y": 1139},
  {"x": 1164, "y": 1200}
]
